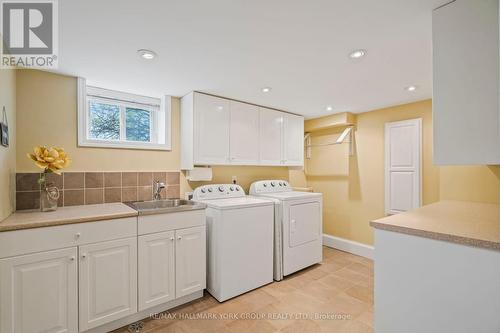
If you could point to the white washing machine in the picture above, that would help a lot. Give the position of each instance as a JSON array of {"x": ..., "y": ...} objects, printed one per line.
[
  {"x": 240, "y": 233},
  {"x": 298, "y": 226}
]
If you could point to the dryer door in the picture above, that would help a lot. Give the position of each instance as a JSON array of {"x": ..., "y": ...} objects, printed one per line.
[
  {"x": 302, "y": 234},
  {"x": 304, "y": 223}
]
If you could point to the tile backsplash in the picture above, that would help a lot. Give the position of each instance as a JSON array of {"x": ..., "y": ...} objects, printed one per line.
[{"x": 87, "y": 188}]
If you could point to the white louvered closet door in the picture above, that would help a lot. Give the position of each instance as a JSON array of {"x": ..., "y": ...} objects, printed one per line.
[{"x": 403, "y": 160}]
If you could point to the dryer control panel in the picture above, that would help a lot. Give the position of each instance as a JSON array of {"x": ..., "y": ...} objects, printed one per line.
[
  {"x": 270, "y": 186},
  {"x": 218, "y": 191}
]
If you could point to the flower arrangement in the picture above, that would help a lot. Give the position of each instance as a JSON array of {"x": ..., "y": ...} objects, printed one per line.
[{"x": 51, "y": 160}]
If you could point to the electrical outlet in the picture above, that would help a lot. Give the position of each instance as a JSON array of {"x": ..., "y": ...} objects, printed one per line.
[{"x": 234, "y": 179}]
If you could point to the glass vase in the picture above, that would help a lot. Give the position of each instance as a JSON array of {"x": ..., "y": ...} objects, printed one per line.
[
  {"x": 48, "y": 199},
  {"x": 49, "y": 195}
]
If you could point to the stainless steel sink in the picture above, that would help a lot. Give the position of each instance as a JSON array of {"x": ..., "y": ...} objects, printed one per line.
[{"x": 165, "y": 206}]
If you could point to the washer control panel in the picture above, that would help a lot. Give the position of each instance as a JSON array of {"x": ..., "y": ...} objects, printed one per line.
[
  {"x": 218, "y": 191},
  {"x": 270, "y": 186}
]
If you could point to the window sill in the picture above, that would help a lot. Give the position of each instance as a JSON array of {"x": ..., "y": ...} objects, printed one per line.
[{"x": 124, "y": 145}]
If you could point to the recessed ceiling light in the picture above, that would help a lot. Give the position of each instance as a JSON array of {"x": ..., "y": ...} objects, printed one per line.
[
  {"x": 266, "y": 89},
  {"x": 356, "y": 54},
  {"x": 411, "y": 88},
  {"x": 329, "y": 108},
  {"x": 146, "y": 54}
]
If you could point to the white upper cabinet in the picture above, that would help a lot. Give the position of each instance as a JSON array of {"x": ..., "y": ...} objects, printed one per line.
[
  {"x": 293, "y": 140},
  {"x": 39, "y": 292},
  {"x": 466, "y": 113},
  {"x": 244, "y": 134},
  {"x": 218, "y": 131},
  {"x": 271, "y": 137},
  {"x": 211, "y": 129}
]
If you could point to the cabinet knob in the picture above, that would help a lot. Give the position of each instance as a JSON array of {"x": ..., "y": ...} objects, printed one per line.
[
  {"x": 179, "y": 237},
  {"x": 72, "y": 258},
  {"x": 172, "y": 239},
  {"x": 77, "y": 235},
  {"x": 84, "y": 255}
]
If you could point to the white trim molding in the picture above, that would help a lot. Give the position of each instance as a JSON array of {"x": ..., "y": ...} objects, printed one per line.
[{"x": 350, "y": 246}]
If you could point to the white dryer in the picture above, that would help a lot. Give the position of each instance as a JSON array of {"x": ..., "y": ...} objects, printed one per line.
[
  {"x": 297, "y": 228},
  {"x": 239, "y": 240}
]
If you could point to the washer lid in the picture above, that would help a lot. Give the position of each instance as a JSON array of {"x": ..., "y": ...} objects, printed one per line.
[
  {"x": 232, "y": 203},
  {"x": 293, "y": 195}
]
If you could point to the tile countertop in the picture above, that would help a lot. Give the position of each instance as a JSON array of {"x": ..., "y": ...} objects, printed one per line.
[
  {"x": 66, "y": 215},
  {"x": 467, "y": 223}
]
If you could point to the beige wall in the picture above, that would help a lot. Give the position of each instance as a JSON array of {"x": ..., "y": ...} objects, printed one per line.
[
  {"x": 353, "y": 187},
  {"x": 8, "y": 155},
  {"x": 47, "y": 112}
]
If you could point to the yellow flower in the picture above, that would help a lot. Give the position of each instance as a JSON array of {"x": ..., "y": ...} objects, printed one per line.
[{"x": 50, "y": 159}]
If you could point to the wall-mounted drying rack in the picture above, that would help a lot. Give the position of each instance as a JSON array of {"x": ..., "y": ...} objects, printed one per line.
[{"x": 348, "y": 132}]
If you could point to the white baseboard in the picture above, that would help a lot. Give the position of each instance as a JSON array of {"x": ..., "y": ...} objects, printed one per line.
[{"x": 346, "y": 245}]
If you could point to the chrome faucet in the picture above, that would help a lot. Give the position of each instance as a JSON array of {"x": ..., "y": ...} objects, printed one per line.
[{"x": 158, "y": 187}]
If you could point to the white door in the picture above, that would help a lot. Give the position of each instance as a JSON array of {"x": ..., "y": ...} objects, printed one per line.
[
  {"x": 293, "y": 140},
  {"x": 190, "y": 260},
  {"x": 108, "y": 282},
  {"x": 271, "y": 137},
  {"x": 403, "y": 141},
  {"x": 244, "y": 137},
  {"x": 39, "y": 293},
  {"x": 211, "y": 129},
  {"x": 156, "y": 254}
]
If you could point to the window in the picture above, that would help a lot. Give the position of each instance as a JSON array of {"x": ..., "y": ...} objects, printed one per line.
[{"x": 108, "y": 118}]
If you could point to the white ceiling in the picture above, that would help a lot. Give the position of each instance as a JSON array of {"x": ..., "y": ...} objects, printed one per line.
[{"x": 234, "y": 48}]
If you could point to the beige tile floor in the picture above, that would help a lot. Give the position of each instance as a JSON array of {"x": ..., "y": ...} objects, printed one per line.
[{"x": 342, "y": 285}]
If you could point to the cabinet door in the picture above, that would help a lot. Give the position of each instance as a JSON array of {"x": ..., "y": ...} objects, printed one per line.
[
  {"x": 211, "y": 130},
  {"x": 108, "y": 282},
  {"x": 271, "y": 137},
  {"x": 156, "y": 269},
  {"x": 190, "y": 260},
  {"x": 244, "y": 137},
  {"x": 293, "y": 140},
  {"x": 465, "y": 99},
  {"x": 39, "y": 293}
]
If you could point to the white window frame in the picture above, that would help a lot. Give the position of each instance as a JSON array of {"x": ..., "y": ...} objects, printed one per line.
[{"x": 83, "y": 121}]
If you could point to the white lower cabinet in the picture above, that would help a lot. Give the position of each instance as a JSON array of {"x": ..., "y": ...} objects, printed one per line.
[
  {"x": 108, "y": 282},
  {"x": 156, "y": 269},
  {"x": 190, "y": 263},
  {"x": 83, "y": 279},
  {"x": 39, "y": 292}
]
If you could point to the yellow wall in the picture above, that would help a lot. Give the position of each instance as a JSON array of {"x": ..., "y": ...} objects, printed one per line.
[
  {"x": 8, "y": 155},
  {"x": 470, "y": 183},
  {"x": 245, "y": 175},
  {"x": 47, "y": 113},
  {"x": 353, "y": 187}
]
